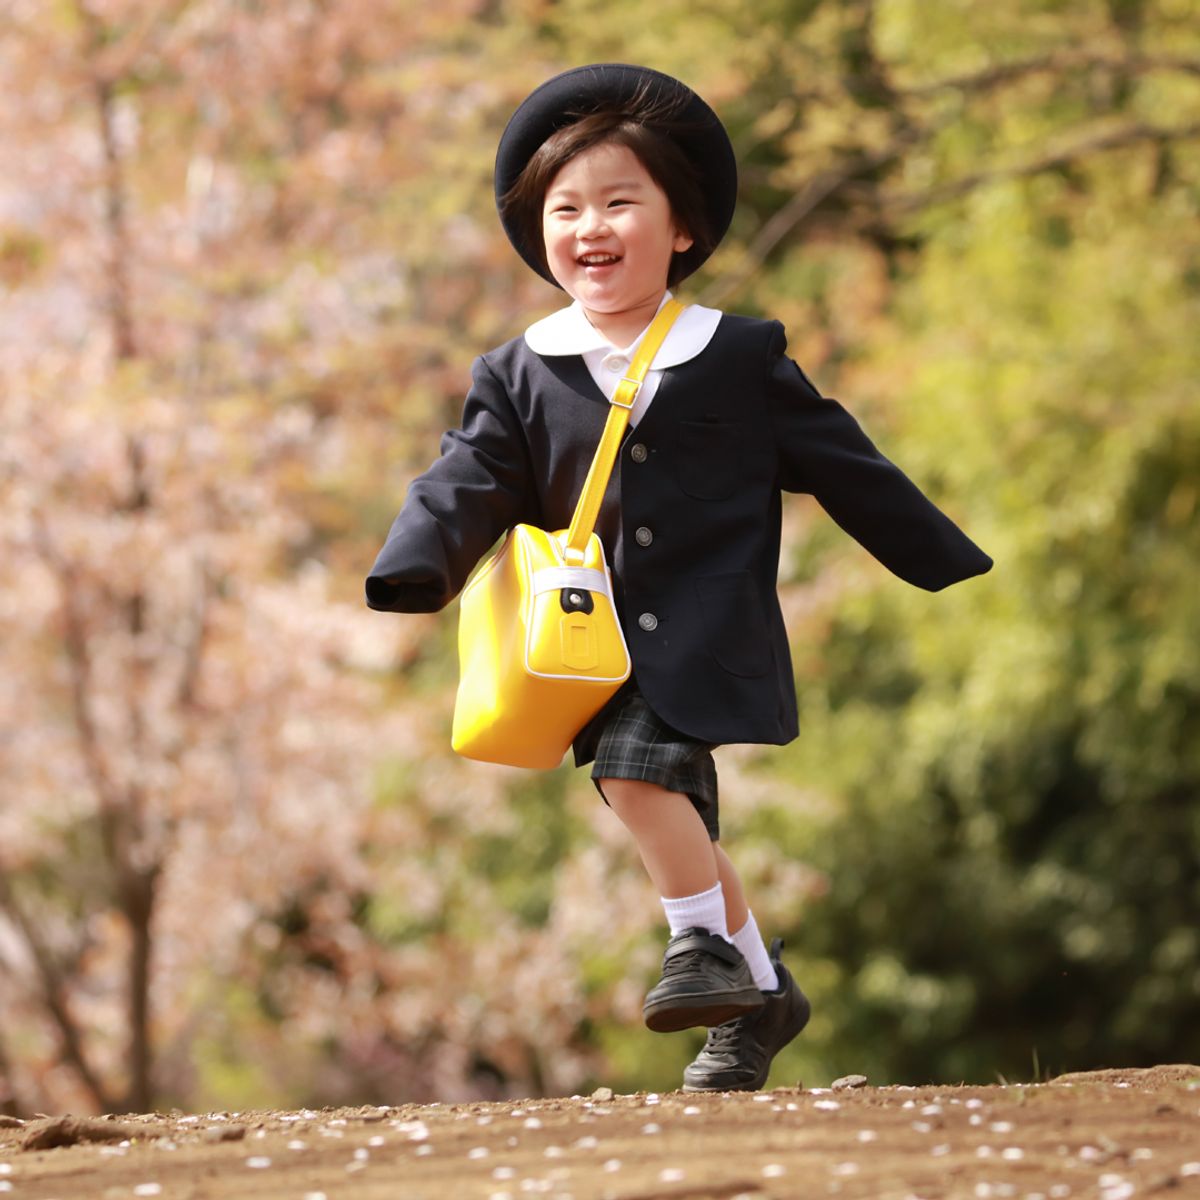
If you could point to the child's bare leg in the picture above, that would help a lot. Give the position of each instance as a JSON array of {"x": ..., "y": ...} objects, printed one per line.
[
  {"x": 736, "y": 909},
  {"x": 705, "y": 979},
  {"x": 670, "y": 835}
]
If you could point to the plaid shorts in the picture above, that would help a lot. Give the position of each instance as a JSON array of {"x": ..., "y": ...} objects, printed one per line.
[{"x": 627, "y": 739}]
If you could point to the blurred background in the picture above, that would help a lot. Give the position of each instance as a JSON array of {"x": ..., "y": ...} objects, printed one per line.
[{"x": 247, "y": 253}]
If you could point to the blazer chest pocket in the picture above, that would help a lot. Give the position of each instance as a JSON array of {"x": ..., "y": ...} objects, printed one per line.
[
  {"x": 708, "y": 458},
  {"x": 734, "y": 623}
]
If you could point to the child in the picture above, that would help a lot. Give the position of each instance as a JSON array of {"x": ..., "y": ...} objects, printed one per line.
[{"x": 616, "y": 182}]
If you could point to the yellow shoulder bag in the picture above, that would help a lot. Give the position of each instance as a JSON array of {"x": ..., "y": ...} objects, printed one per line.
[{"x": 540, "y": 647}]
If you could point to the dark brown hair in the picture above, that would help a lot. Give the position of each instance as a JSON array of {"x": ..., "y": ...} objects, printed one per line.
[{"x": 643, "y": 125}]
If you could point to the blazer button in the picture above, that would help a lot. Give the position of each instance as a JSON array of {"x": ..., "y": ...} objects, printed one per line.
[
  {"x": 637, "y": 452},
  {"x": 648, "y": 622},
  {"x": 643, "y": 536}
]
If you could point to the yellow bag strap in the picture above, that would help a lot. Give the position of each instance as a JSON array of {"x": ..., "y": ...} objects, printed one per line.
[{"x": 588, "y": 508}]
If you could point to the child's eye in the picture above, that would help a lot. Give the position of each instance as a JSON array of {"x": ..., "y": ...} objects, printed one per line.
[
  {"x": 563, "y": 208},
  {"x": 613, "y": 203}
]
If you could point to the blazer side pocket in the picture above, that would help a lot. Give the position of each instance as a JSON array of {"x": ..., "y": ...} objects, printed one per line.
[
  {"x": 735, "y": 623},
  {"x": 708, "y": 458}
]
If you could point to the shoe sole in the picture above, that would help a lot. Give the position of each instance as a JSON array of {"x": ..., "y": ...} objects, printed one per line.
[
  {"x": 794, "y": 1031},
  {"x": 671, "y": 1016}
]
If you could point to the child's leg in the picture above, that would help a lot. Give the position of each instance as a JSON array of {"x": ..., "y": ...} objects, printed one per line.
[
  {"x": 705, "y": 979},
  {"x": 670, "y": 835},
  {"x": 743, "y": 930},
  {"x": 737, "y": 1055},
  {"x": 736, "y": 908}
]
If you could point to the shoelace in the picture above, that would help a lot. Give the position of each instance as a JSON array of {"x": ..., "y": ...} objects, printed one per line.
[
  {"x": 686, "y": 960},
  {"x": 724, "y": 1037}
]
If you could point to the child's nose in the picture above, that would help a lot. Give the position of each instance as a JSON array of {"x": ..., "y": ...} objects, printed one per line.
[{"x": 594, "y": 223}]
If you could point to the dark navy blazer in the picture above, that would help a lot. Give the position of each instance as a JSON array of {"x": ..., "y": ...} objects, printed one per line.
[{"x": 700, "y": 477}]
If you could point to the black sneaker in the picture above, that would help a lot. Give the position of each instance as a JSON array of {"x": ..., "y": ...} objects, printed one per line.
[
  {"x": 705, "y": 981},
  {"x": 737, "y": 1055}
]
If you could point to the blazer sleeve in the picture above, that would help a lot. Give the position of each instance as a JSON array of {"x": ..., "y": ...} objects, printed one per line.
[
  {"x": 823, "y": 451},
  {"x": 456, "y": 510}
]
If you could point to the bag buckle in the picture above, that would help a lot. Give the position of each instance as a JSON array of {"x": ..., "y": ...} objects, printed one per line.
[{"x": 637, "y": 387}]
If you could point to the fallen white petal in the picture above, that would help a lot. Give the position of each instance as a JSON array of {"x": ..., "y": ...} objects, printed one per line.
[{"x": 258, "y": 1163}]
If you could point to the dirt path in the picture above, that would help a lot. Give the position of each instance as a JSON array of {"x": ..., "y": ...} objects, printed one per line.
[{"x": 1108, "y": 1134}]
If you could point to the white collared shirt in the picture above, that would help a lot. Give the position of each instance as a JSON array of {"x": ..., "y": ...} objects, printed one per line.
[{"x": 568, "y": 331}]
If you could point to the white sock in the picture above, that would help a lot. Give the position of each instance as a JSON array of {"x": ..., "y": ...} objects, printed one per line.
[
  {"x": 705, "y": 909},
  {"x": 749, "y": 941}
]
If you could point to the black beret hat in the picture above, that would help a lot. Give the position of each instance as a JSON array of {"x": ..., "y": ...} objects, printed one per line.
[{"x": 561, "y": 100}]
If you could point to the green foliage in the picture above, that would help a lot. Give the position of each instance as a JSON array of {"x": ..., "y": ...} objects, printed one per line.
[
  {"x": 1014, "y": 855},
  {"x": 519, "y": 862}
]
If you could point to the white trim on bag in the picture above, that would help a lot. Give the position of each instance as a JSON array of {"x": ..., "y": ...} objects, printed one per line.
[{"x": 586, "y": 579}]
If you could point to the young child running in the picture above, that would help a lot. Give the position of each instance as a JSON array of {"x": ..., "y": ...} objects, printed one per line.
[{"x": 616, "y": 182}]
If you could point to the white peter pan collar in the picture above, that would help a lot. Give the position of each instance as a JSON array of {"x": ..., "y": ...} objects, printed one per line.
[{"x": 568, "y": 331}]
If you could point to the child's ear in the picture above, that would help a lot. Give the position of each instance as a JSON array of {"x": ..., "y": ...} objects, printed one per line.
[{"x": 682, "y": 242}]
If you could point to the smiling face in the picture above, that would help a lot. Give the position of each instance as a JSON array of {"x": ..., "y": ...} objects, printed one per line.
[{"x": 610, "y": 235}]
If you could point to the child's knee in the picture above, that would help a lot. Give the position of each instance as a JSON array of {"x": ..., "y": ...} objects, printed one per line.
[{"x": 623, "y": 795}]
